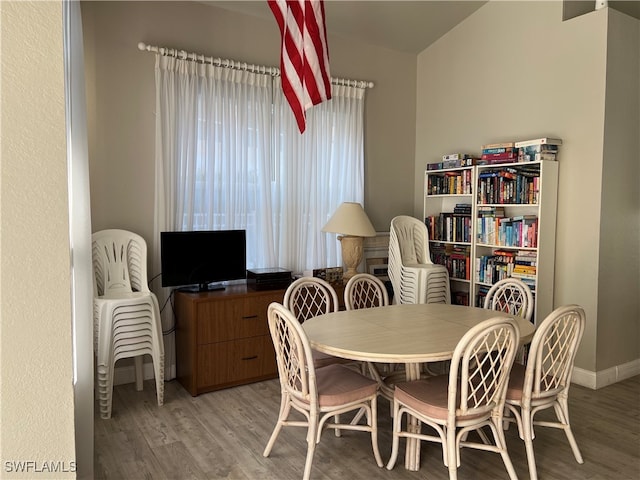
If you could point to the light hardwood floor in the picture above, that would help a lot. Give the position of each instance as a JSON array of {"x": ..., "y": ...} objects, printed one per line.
[{"x": 223, "y": 434}]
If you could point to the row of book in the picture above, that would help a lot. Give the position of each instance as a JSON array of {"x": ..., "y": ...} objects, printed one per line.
[
  {"x": 536, "y": 149},
  {"x": 454, "y": 160},
  {"x": 493, "y": 268},
  {"x": 517, "y": 231},
  {"x": 456, "y": 258},
  {"x": 508, "y": 186},
  {"x": 450, "y": 183},
  {"x": 460, "y": 297},
  {"x": 450, "y": 227}
]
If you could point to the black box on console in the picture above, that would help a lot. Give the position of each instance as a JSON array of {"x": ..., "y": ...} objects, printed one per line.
[{"x": 268, "y": 278}]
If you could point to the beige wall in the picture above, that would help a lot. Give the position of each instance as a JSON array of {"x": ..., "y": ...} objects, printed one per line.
[
  {"x": 548, "y": 79},
  {"x": 121, "y": 93},
  {"x": 471, "y": 87},
  {"x": 618, "y": 332},
  {"x": 36, "y": 407}
]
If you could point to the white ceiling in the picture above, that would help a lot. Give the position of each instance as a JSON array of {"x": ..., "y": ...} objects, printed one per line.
[{"x": 405, "y": 26}]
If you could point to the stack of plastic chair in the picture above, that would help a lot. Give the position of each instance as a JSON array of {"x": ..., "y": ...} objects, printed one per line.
[
  {"x": 415, "y": 278},
  {"x": 125, "y": 312}
]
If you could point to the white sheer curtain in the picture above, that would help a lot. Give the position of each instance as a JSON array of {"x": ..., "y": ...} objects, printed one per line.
[
  {"x": 230, "y": 156},
  {"x": 316, "y": 172},
  {"x": 213, "y": 129}
]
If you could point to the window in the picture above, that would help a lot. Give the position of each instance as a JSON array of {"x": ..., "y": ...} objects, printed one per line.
[{"x": 229, "y": 155}]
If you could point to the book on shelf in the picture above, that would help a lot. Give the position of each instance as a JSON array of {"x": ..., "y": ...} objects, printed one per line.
[
  {"x": 512, "y": 155},
  {"x": 539, "y": 141},
  {"x": 494, "y": 150},
  {"x": 456, "y": 156},
  {"x": 462, "y": 208},
  {"x": 551, "y": 156},
  {"x": 526, "y": 257},
  {"x": 456, "y": 258},
  {"x": 445, "y": 164},
  {"x": 537, "y": 152},
  {"x": 452, "y": 182},
  {"x": 490, "y": 211},
  {"x": 538, "y": 148},
  {"x": 503, "y": 172},
  {"x": 496, "y": 161},
  {"x": 499, "y": 145},
  {"x": 460, "y": 298}
]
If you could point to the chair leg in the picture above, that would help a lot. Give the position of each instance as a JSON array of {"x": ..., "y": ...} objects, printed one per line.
[
  {"x": 452, "y": 454},
  {"x": 397, "y": 424},
  {"x": 372, "y": 421},
  {"x": 501, "y": 443},
  {"x": 138, "y": 371},
  {"x": 158, "y": 367},
  {"x": 336, "y": 419},
  {"x": 311, "y": 446},
  {"x": 527, "y": 427},
  {"x": 285, "y": 407},
  {"x": 562, "y": 412}
]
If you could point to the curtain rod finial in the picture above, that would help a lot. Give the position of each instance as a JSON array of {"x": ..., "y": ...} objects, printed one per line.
[{"x": 142, "y": 46}]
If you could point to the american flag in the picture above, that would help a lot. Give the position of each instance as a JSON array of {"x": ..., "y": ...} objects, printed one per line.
[{"x": 304, "y": 59}]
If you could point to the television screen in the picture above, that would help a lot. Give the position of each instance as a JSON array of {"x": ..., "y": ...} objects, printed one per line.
[{"x": 202, "y": 257}]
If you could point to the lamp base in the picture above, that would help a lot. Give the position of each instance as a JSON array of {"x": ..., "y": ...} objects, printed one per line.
[{"x": 351, "y": 254}]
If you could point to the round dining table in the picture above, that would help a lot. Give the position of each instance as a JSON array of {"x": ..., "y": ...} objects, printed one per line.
[{"x": 411, "y": 334}]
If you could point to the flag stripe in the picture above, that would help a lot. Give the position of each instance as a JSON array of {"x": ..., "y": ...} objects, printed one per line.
[{"x": 304, "y": 56}]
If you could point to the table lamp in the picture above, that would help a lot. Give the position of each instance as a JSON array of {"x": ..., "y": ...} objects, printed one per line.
[{"x": 351, "y": 221}]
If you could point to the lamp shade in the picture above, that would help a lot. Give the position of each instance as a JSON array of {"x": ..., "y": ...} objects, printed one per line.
[{"x": 350, "y": 219}]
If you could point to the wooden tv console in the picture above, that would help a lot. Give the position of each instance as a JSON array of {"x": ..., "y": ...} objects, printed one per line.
[{"x": 222, "y": 338}]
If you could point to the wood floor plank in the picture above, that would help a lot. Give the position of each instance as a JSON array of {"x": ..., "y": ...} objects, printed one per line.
[{"x": 221, "y": 435}]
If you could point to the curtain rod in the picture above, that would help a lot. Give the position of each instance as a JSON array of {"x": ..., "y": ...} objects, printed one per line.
[{"x": 225, "y": 63}]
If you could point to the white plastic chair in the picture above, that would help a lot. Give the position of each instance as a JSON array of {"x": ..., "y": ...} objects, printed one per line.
[
  {"x": 318, "y": 394},
  {"x": 545, "y": 380},
  {"x": 510, "y": 295},
  {"x": 125, "y": 312},
  {"x": 471, "y": 396},
  {"x": 415, "y": 278}
]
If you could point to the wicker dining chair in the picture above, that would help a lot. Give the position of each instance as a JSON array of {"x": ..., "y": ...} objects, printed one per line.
[
  {"x": 364, "y": 290},
  {"x": 510, "y": 295},
  {"x": 471, "y": 396},
  {"x": 319, "y": 394},
  {"x": 308, "y": 297},
  {"x": 544, "y": 381}
]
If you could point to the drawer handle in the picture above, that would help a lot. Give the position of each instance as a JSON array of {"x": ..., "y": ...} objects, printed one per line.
[
  {"x": 250, "y": 358},
  {"x": 247, "y": 317}
]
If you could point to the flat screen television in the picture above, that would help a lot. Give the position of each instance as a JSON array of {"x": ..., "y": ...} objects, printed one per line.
[{"x": 200, "y": 260}]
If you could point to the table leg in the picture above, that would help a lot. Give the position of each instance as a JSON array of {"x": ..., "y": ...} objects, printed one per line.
[{"x": 412, "y": 453}]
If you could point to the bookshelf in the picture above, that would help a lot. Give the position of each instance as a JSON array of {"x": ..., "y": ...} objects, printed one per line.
[
  {"x": 511, "y": 228},
  {"x": 448, "y": 209}
]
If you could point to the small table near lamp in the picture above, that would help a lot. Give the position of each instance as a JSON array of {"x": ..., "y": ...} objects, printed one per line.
[{"x": 353, "y": 224}]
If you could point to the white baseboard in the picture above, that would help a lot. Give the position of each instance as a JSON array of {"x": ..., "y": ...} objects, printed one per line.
[
  {"x": 584, "y": 378},
  {"x": 127, "y": 374},
  {"x": 596, "y": 380}
]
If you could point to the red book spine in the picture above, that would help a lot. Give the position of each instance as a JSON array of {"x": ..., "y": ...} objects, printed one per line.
[{"x": 499, "y": 156}]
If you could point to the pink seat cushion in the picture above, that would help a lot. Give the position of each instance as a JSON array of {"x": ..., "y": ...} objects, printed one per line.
[
  {"x": 516, "y": 382},
  {"x": 429, "y": 397},
  {"x": 338, "y": 385}
]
